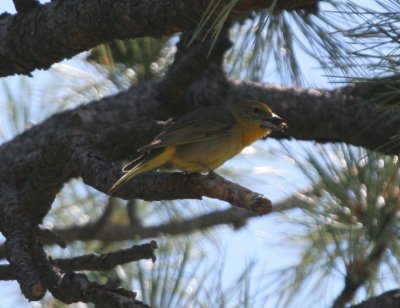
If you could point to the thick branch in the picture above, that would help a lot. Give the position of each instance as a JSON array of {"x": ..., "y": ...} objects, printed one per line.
[
  {"x": 18, "y": 230},
  {"x": 389, "y": 299},
  {"x": 347, "y": 114},
  {"x": 61, "y": 29},
  {"x": 25, "y": 5},
  {"x": 204, "y": 55},
  {"x": 353, "y": 114}
]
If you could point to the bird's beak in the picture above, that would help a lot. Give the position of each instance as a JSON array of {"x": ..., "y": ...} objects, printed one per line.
[{"x": 274, "y": 123}]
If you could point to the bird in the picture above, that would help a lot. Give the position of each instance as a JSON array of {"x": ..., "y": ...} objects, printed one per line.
[{"x": 202, "y": 140}]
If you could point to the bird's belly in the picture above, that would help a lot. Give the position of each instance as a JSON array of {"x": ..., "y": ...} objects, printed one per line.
[{"x": 205, "y": 155}]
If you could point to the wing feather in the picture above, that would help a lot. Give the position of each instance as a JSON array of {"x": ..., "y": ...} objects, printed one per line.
[{"x": 196, "y": 126}]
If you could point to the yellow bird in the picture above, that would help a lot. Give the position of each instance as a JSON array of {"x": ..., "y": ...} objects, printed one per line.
[{"x": 204, "y": 139}]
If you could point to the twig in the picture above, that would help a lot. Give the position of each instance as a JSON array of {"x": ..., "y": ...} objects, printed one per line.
[
  {"x": 93, "y": 262},
  {"x": 108, "y": 261},
  {"x": 47, "y": 235}
]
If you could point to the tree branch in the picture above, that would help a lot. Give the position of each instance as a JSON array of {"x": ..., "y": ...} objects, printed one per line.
[
  {"x": 25, "y": 5},
  {"x": 355, "y": 114},
  {"x": 195, "y": 56},
  {"x": 389, "y": 299},
  {"x": 78, "y": 288},
  {"x": 71, "y": 287},
  {"x": 49, "y": 33},
  {"x": 19, "y": 246},
  {"x": 345, "y": 114},
  {"x": 108, "y": 261},
  {"x": 93, "y": 262},
  {"x": 154, "y": 186}
]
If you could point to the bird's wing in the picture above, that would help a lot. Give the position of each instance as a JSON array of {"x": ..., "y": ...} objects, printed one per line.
[{"x": 196, "y": 126}]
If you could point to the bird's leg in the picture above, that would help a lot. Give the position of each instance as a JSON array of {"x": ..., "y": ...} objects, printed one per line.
[{"x": 209, "y": 170}]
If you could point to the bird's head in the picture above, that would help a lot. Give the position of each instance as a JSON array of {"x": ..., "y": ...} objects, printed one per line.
[{"x": 256, "y": 114}]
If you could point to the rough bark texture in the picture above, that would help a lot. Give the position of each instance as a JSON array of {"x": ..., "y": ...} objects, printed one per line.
[
  {"x": 42, "y": 35},
  {"x": 94, "y": 262},
  {"x": 389, "y": 299}
]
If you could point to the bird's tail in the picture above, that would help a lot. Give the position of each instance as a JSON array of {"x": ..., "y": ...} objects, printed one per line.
[
  {"x": 142, "y": 164},
  {"x": 126, "y": 177}
]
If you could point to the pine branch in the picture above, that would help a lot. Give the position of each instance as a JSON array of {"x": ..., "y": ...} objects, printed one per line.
[
  {"x": 360, "y": 269},
  {"x": 56, "y": 30}
]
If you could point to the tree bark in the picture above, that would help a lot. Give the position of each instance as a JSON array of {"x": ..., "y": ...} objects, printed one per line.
[{"x": 46, "y": 34}]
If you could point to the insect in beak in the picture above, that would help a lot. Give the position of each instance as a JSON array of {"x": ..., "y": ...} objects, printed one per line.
[{"x": 274, "y": 123}]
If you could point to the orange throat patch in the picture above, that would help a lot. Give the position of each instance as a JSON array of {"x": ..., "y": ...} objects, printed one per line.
[{"x": 253, "y": 133}]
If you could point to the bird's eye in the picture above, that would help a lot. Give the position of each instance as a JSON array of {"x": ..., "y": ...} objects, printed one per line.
[{"x": 256, "y": 110}]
